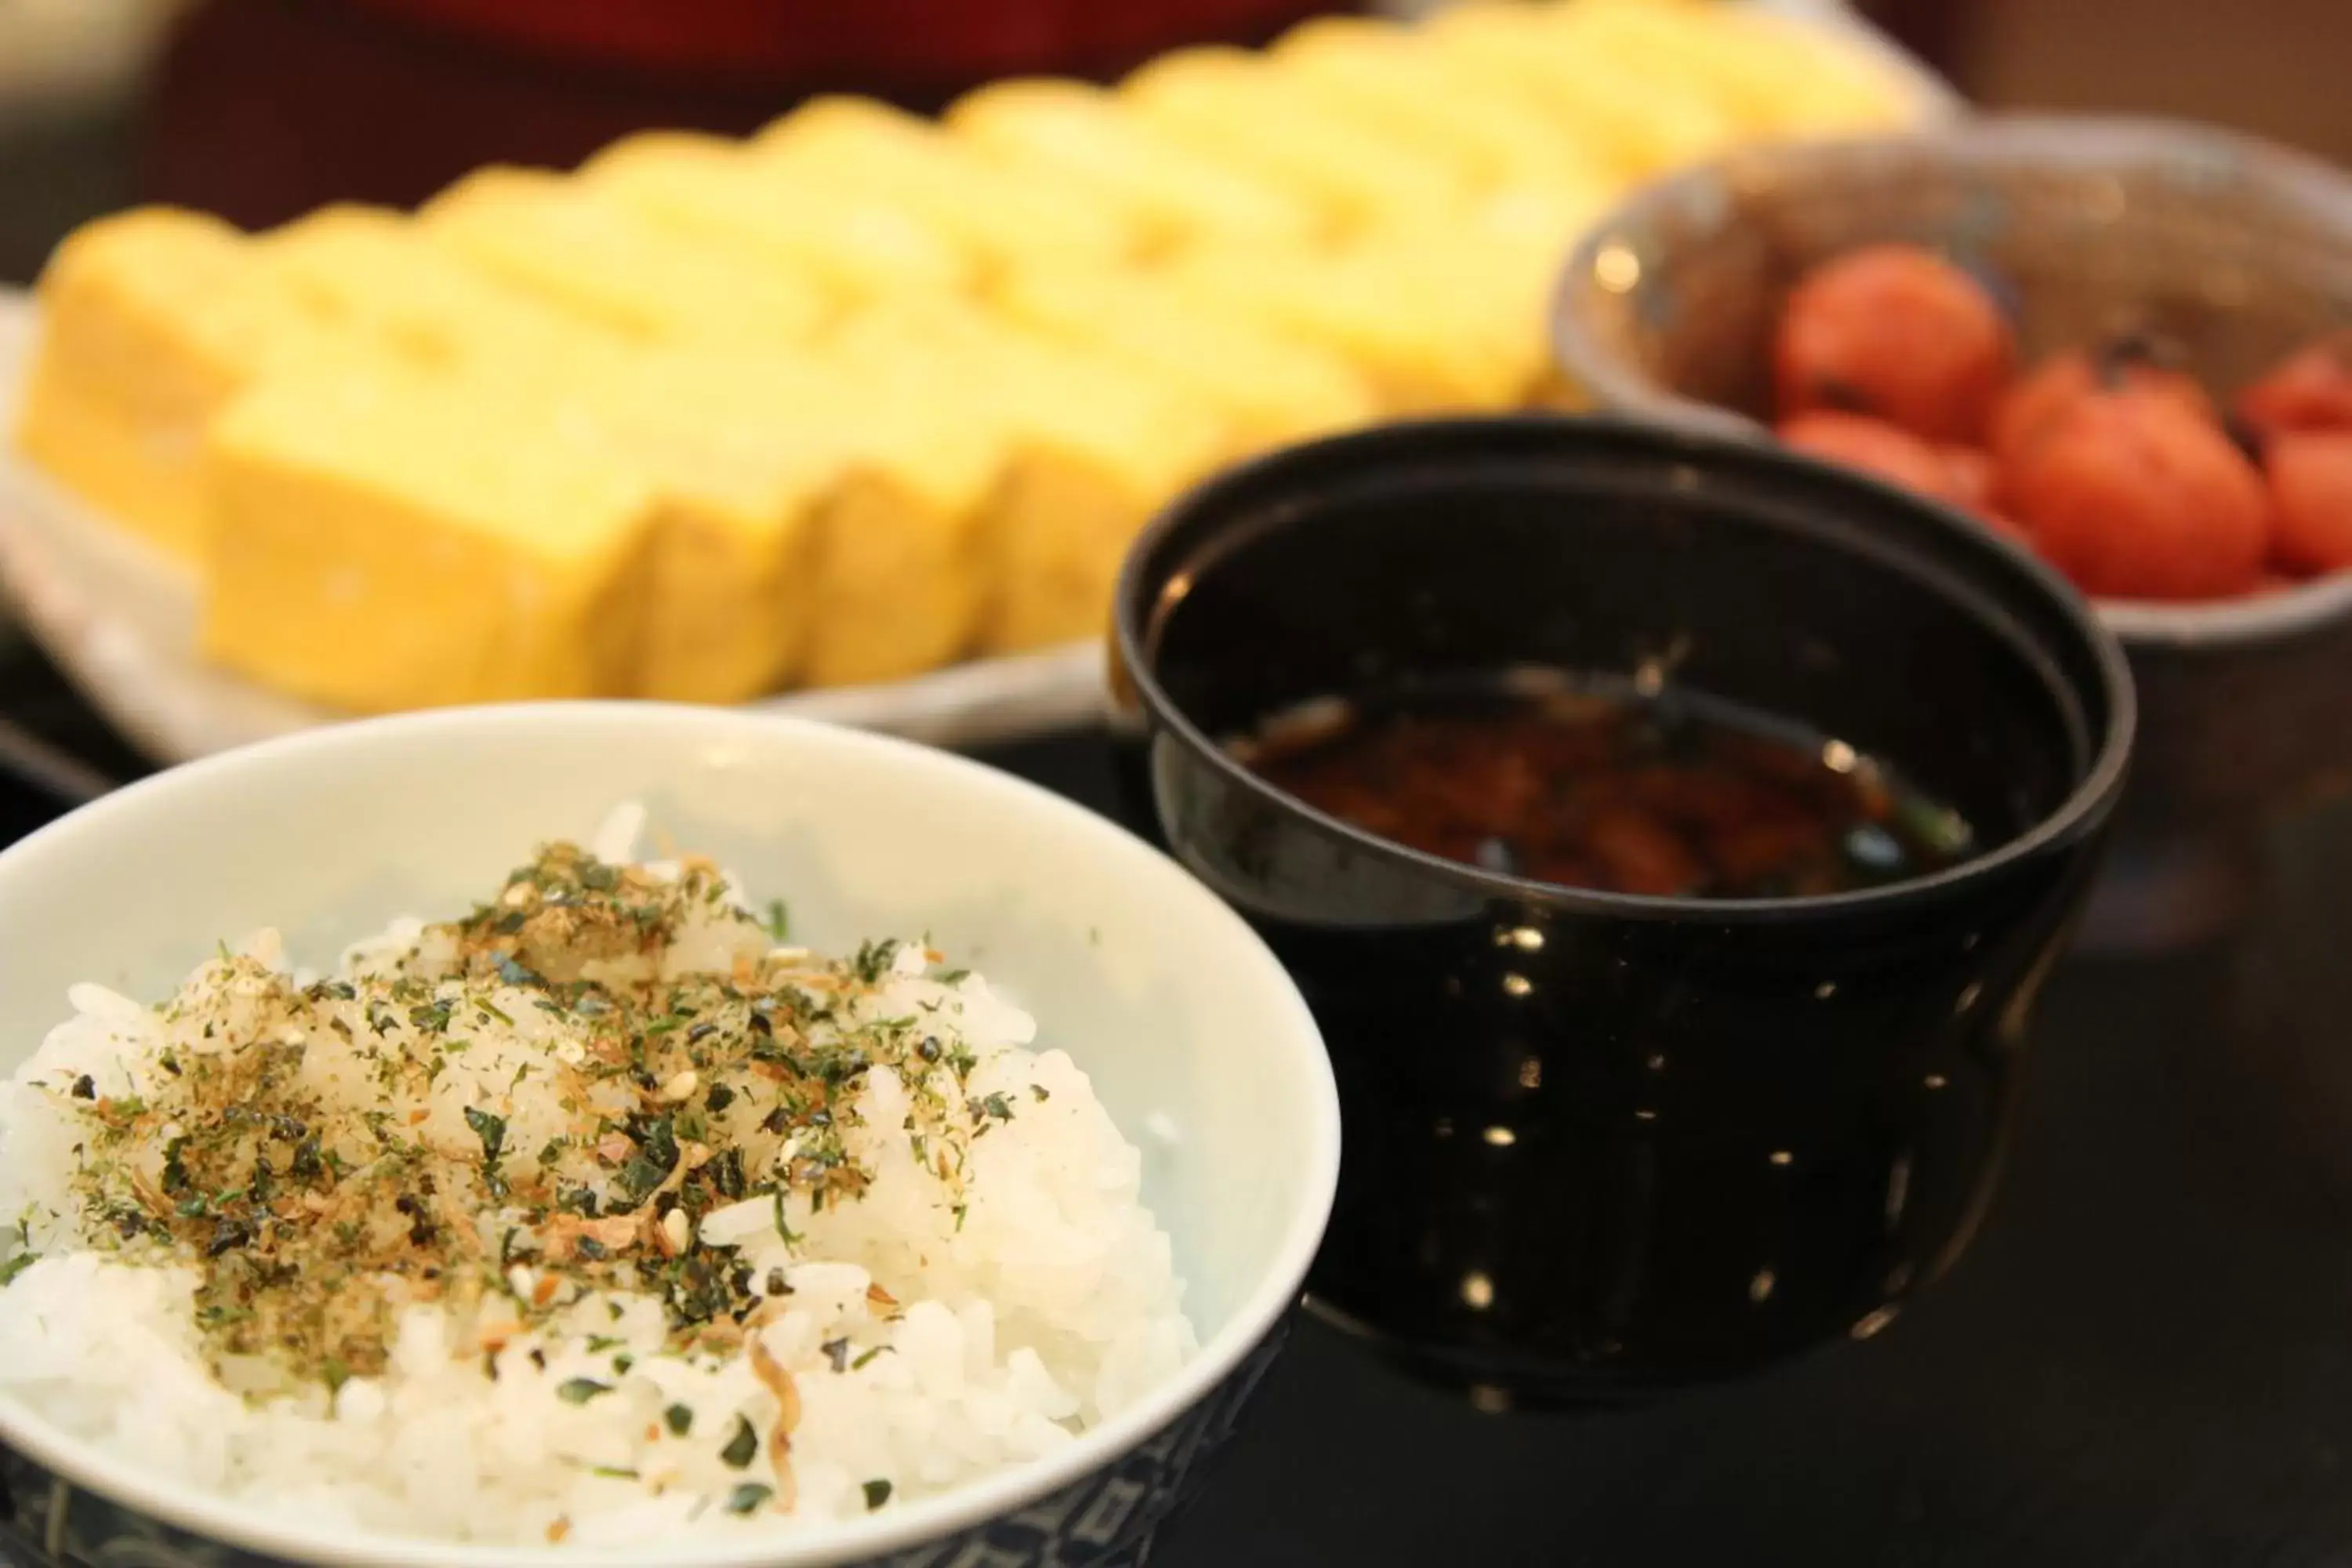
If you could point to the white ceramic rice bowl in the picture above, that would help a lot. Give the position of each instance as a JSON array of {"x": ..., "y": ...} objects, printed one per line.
[{"x": 1182, "y": 1019}]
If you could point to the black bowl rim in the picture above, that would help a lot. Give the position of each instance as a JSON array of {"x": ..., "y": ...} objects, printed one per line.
[
  {"x": 2084, "y": 141},
  {"x": 2085, "y": 809}
]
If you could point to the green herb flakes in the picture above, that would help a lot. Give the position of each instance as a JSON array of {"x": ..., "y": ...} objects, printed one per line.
[
  {"x": 742, "y": 1446},
  {"x": 492, "y": 1130},
  {"x": 310, "y": 1220}
]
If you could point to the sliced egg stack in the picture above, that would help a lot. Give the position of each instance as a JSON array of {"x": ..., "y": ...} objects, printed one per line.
[{"x": 864, "y": 394}]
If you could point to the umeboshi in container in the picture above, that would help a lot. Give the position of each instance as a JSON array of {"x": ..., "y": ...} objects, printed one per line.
[
  {"x": 1898, "y": 333},
  {"x": 1875, "y": 447},
  {"x": 2135, "y": 495},
  {"x": 2310, "y": 476},
  {"x": 2037, "y": 400},
  {"x": 2311, "y": 390}
]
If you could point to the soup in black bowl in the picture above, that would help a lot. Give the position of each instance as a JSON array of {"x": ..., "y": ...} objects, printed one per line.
[
  {"x": 1575, "y": 781},
  {"x": 1669, "y": 836}
]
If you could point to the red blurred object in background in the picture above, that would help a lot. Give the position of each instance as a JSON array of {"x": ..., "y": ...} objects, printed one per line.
[
  {"x": 936, "y": 41},
  {"x": 262, "y": 109}
]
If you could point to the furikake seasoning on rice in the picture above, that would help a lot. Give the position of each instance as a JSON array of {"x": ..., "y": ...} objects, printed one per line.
[{"x": 599, "y": 1211}]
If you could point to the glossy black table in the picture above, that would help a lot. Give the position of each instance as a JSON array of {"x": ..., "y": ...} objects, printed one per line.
[{"x": 2146, "y": 1358}]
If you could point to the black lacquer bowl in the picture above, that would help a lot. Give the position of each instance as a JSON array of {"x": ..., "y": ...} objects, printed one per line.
[
  {"x": 1602, "y": 1145},
  {"x": 2232, "y": 251}
]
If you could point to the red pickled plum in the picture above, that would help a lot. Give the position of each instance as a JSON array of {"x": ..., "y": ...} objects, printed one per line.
[{"x": 1897, "y": 333}]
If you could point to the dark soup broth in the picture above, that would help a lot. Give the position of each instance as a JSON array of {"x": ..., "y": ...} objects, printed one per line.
[{"x": 1592, "y": 784}]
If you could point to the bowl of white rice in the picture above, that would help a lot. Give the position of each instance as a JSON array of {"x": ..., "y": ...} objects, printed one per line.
[{"x": 604, "y": 1133}]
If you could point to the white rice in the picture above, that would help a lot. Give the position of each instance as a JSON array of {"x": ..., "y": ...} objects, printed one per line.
[{"x": 1049, "y": 1303}]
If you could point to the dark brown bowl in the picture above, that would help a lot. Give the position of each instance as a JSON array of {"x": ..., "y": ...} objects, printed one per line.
[{"x": 2235, "y": 250}]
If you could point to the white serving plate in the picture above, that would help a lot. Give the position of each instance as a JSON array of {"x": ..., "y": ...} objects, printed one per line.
[{"x": 119, "y": 618}]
